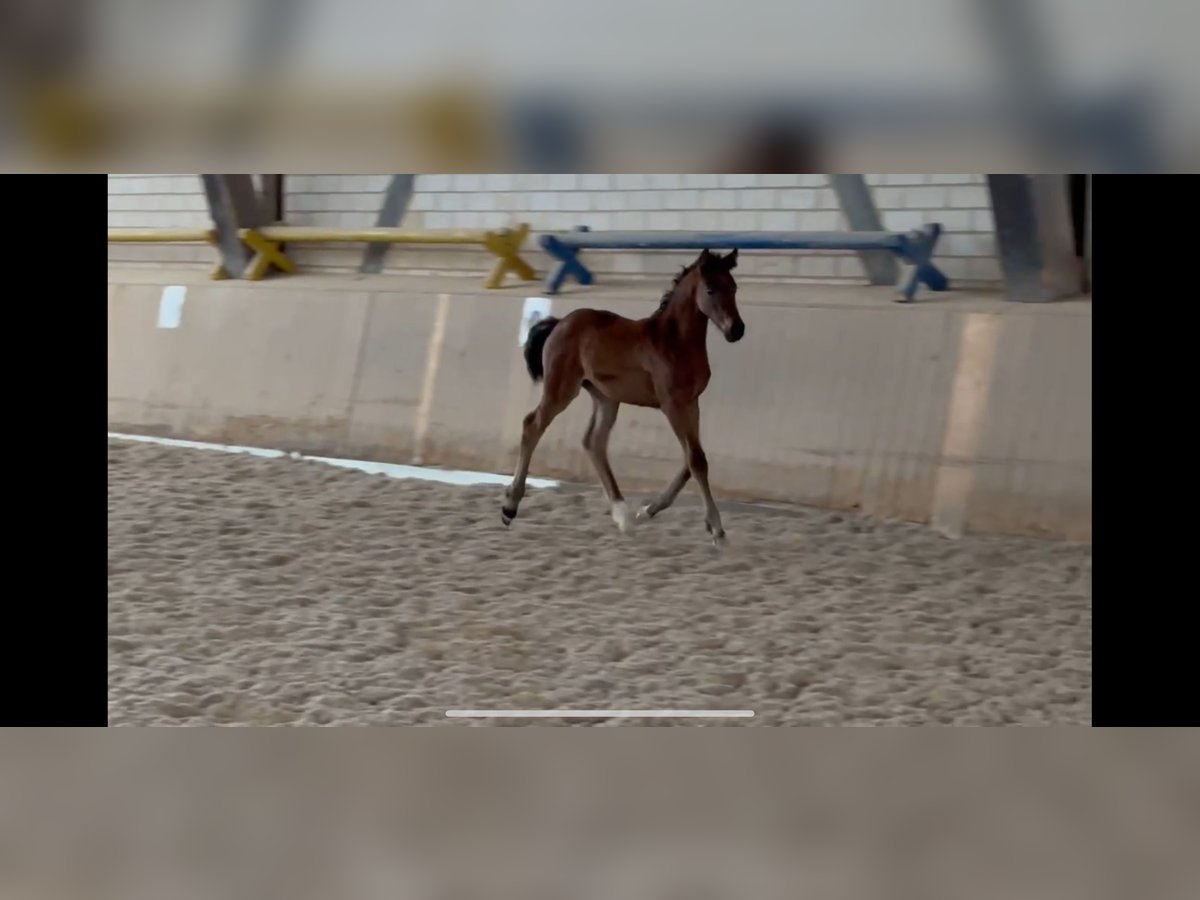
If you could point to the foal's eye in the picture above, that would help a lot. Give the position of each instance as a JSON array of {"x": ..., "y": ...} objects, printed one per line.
[{"x": 709, "y": 291}]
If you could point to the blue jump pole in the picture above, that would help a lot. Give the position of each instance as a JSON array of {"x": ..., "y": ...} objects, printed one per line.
[{"x": 915, "y": 249}]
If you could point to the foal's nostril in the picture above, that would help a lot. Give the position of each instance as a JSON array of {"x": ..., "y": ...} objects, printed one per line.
[{"x": 736, "y": 331}]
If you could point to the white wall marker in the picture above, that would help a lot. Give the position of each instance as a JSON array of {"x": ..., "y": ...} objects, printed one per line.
[
  {"x": 536, "y": 308},
  {"x": 170, "y": 306}
]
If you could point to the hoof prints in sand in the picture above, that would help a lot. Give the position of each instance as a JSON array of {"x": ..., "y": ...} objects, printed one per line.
[{"x": 282, "y": 592}]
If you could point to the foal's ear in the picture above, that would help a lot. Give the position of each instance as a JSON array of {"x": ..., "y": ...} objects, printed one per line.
[{"x": 731, "y": 260}]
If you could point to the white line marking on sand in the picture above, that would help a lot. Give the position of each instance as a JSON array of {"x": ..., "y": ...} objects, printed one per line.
[
  {"x": 391, "y": 470},
  {"x": 599, "y": 713}
]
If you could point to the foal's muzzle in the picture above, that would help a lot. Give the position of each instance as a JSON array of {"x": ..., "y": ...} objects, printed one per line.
[{"x": 735, "y": 332}]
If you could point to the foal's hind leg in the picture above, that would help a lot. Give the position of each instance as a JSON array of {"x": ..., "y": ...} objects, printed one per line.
[
  {"x": 554, "y": 401},
  {"x": 595, "y": 442},
  {"x": 667, "y": 497}
]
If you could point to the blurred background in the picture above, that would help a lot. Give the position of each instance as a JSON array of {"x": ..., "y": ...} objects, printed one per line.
[
  {"x": 468, "y": 86},
  {"x": 650, "y": 815}
]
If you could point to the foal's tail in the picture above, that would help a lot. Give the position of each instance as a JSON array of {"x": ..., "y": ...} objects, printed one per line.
[{"x": 538, "y": 332}]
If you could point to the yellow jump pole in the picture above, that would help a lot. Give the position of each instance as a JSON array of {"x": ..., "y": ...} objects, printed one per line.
[
  {"x": 265, "y": 241},
  {"x": 170, "y": 236},
  {"x": 506, "y": 245}
]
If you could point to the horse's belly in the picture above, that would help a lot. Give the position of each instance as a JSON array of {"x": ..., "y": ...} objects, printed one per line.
[{"x": 637, "y": 390}]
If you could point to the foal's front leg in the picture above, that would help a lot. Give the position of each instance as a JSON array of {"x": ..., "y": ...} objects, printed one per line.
[{"x": 685, "y": 422}]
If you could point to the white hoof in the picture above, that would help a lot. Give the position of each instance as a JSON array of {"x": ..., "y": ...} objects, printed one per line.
[
  {"x": 643, "y": 513},
  {"x": 623, "y": 517}
]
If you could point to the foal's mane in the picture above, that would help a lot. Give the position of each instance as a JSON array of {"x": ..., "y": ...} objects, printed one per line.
[{"x": 666, "y": 297}]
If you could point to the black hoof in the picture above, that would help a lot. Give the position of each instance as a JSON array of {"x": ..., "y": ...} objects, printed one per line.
[{"x": 507, "y": 514}]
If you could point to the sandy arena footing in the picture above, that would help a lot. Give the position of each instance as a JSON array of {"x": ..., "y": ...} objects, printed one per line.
[{"x": 249, "y": 591}]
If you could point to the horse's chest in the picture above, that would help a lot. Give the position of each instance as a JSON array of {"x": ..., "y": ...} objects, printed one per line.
[{"x": 692, "y": 380}]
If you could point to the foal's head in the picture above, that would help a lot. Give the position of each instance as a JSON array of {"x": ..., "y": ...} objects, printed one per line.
[{"x": 716, "y": 293}]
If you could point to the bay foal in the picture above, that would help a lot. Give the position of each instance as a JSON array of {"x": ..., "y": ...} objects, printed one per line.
[{"x": 660, "y": 362}]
